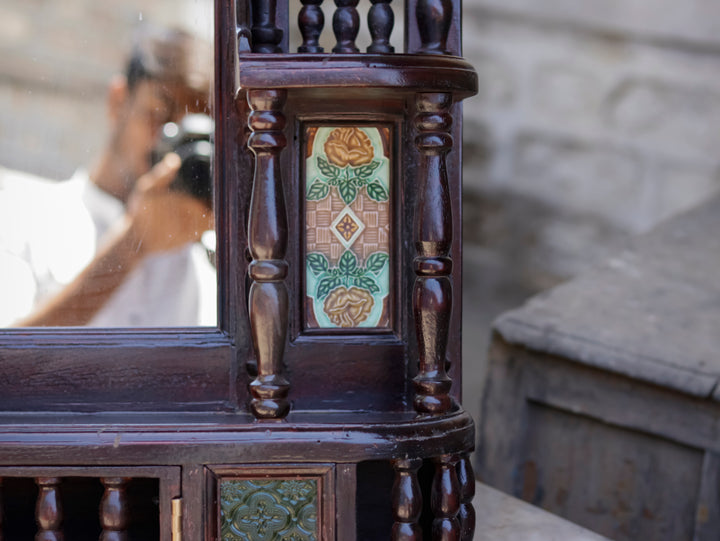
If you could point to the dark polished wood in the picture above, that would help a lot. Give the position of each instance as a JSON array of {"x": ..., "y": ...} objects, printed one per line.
[
  {"x": 179, "y": 407},
  {"x": 166, "y": 477},
  {"x": 114, "y": 509},
  {"x": 445, "y": 500},
  {"x": 434, "y": 18},
  {"x": 466, "y": 514},
  {"x": 266, "y": 36},
  {"x": 243, "y": 30},
  {"x": 49, "y": 510},
  {"x": 346, "y": 25},
  {"x": 432, "y": 296},
  {"x": 381, "y": 20},
  {"x": 400, "y": 73},
  {"x": 311, "y": 21},
  {"x": 407, "y": 501},
  {"x": 267, "y": 241}
]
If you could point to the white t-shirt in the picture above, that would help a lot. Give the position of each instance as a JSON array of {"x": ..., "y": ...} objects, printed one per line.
[{"x": 49, "y": 232}]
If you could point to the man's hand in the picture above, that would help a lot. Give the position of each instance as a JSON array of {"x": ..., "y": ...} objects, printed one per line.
[
  {"x": 162, "y": 219},
  {"x": 157, "y": 219}
]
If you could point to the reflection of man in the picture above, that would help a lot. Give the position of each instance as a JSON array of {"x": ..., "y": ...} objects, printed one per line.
[{"x": 115, "y": 247}]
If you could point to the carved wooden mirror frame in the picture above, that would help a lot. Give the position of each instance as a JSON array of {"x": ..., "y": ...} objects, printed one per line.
[
  {"x": 198, "y": 369},
  {"x": 262, "y": 388}
]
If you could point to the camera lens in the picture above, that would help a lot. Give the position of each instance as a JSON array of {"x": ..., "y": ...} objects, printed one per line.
[{"x": 191, "y": 140}]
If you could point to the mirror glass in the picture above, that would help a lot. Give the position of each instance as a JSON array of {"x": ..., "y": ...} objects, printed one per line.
[{"x": 106, "y": 145}]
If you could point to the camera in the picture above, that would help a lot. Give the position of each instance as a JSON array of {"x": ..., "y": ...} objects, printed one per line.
[{"x": 191, "y": 140}]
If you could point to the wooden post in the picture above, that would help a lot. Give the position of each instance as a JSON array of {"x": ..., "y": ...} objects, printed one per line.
[
  {"x": 466, "y": 514},
  {"x": 48, "y": 511},
  {"x": 346, "y": 25},
  {"x": 432, "y": 296},
  {"x": 407, "y": 501},
  {"x": 243, "y": 27},
  {"x": 311, "y": 21},
  {"x": 267, "y": 241},
  {"x": 114, "y": 509},
  {"x": 266, "y": 35},
  {"x": 445, "y": 500},
  {"x": 2, "y": 507},
  {"x": 381, "y": 20},
  {"x": 434, "y": 18}
]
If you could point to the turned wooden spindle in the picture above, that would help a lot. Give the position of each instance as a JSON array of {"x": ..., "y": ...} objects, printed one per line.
[
  {"x": 380, "y": 23},
  {"x": 434, "y": 18},
  {"x": 466, "y": 514},
  {"x": 114, "y": 509},
  {"x": 266, "y": 36},
  {"x": 267, "y": 242},
  {"x": 346, "y": 25},
  {"x": 432, "y": 295},
  {"x": 311, "y": 21},
  {"x": 48, "y": 511},
  {"x": 2, "y": 507},
  {"x": 243, "y": 30},
  {"x": 445, "y": 500},
  {"x": 407, "y": 501}
]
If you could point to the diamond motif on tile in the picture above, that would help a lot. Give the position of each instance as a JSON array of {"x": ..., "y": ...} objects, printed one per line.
[{"x": 347, "y": 227}]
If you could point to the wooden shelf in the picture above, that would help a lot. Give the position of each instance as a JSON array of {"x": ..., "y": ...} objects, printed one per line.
[{"x": 409, "y": 73}]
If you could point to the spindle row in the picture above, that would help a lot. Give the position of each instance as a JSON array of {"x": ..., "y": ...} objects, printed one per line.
[
  {"x": 453, "y": 487},
  {"x": 113, "y": 509},
  {"x": 432, "y": 17}
]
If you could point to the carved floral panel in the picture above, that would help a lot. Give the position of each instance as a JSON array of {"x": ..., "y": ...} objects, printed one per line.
[
  {"x": 269, "y": 510},
  {"x": 347, "y": 218}
]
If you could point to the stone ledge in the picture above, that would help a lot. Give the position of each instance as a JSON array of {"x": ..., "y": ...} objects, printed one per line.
[
  {"x": 503, "y": 518},
  {"x": 650, "y": 314},
  {"x": 696, "y": 22}
]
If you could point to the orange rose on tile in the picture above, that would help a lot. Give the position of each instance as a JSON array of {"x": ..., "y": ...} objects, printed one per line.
[
  {"x": 348, "y": 308},
  {"x": 349, "y": 146}
]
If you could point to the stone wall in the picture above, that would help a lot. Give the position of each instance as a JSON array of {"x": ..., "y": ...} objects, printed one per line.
[
  {"x": 594, "y": 121},
  {"x": 57, "y": 59}
]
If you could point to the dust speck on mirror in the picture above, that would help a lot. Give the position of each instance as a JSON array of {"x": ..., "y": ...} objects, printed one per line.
[{"x": 106, "y": 160}]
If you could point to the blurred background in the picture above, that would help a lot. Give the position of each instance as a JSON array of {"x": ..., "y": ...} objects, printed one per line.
[
  {"x": 56, "y": 60},
  {"x": 594, "y": 122}
]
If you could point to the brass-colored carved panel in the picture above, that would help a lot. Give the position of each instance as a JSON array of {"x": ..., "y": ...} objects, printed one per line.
[{"x": 347, "y": 218}]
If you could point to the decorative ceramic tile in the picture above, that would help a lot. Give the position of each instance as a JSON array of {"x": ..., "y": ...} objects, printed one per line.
[
  {"x": 268, "y": 510},
  {"x": 347, "y": 218}
]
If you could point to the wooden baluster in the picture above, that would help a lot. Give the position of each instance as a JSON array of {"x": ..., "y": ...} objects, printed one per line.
[
  {"x": 346, "y": 25},
  {"x": 432, "y": 296},
  {"x": 445, "y": 500},
  {"x": 434, "y": 18},
  {"x": 48, "y": 511},
  {"x": 407, "y": 501},
  {"x": 267, "y": 241},
  {"x": 380, "y": 23},
  {"x": 114, "y": 509},
  {"x": 466, "y": 515},
  {"x": 243, "y": 28},
  {"x": 311, "y": 21},
  {"x": 1, "y": 510},
  {"x": 266, "y": 35}
]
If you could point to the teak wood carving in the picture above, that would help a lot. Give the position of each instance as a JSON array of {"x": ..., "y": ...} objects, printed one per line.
[
  {"x": 358, "y": 411},
  {"x": 49, "y": 510},
  {"x": 432, "y": 297},
  {"x": 311, "y": 21},
  {"x": 267, "y": 241},
  {"x": 114, "y": 509},
  {"x": 407, "y": 501}
]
